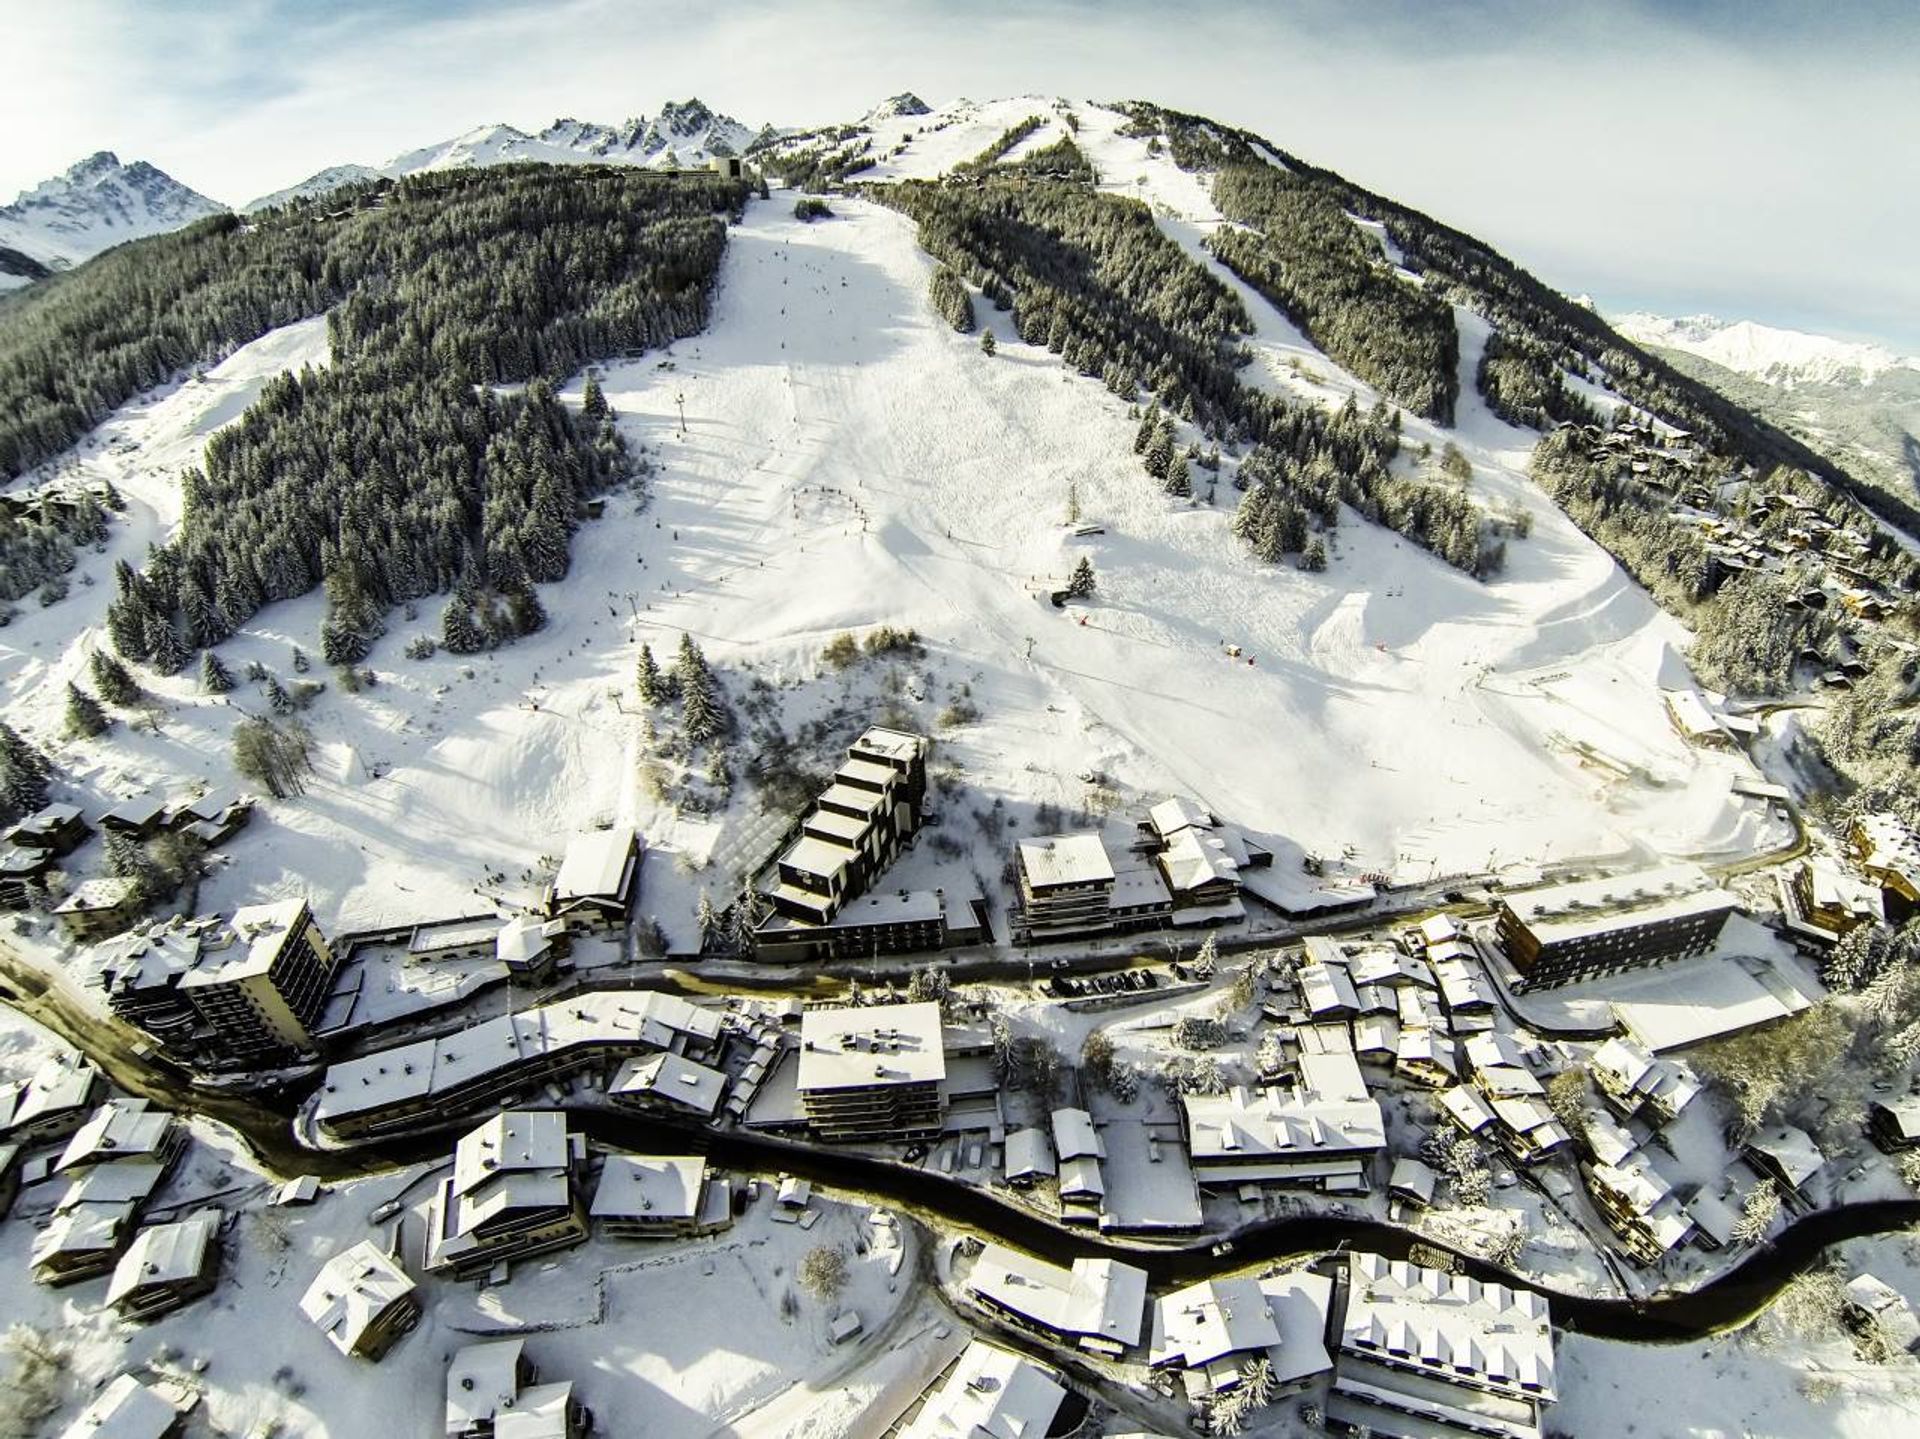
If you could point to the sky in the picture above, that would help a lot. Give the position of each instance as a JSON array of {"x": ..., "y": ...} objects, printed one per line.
[{"x": 1752, "y": 158}]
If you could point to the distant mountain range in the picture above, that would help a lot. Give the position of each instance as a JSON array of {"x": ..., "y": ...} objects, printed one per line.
[
  {"x": 1857, "y": 403},
  {"x": 98, "y": 203}
]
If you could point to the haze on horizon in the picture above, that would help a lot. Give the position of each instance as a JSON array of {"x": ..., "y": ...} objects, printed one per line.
[{"x": 1748, "y": 157}]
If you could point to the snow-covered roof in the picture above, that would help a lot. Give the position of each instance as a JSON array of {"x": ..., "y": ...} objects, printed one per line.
[
  {"x": 1197, "y": 857},
  {"x": 1241, "y": 1126},
  {"x": 125, "y": 1409},
  {"x": 990, "y": 1394},
  {"x": 94, "y": 896},
  {"x": 123, "y": 1128},
  {"x": 352, "y": 1292},
  {"x": 83, "y": 1229},
  {"x": 1298, "y": 1301},
  {"x": 1065, "y": 859},
  {"x": 652, "y": 1187},
  {"x": 673, "y": 1077},
  {"x": 1074, "y": 1135},
  {"x": 164, "y": 1254},
  {"x": 1097, "y": 1298},
  {"x": 260, "y": 932},
  {"x": 1413, "y": 1178},
  {"x": 597, "y": 866},
  {"x": 1675, "y": 1006},
  {"x": 1468, "y": 1109},
  {"x": 1327, "y": 989},
  {"x": 1562, "y": 912},
  {"x": 1691, "y": 715},
  {"x": 1400, "y": 1313},
  {"x": 517, "y": 1161},
  {"x": 1212, "y": 1319},
  {"x": 1609, "y": 1140},
  {"x": 1792, "y": 1151},
  {"x": 1028, "y": 1153},
  {"x": 880, "y": 1044},
  {"x": 1172, "y": 815},
  {"x": 482, "y": 1380},
  {"x": 1888, "y": 1308},
  {"x": 601, "y": 1019},
  {"x": 1080, "y": 1178}
]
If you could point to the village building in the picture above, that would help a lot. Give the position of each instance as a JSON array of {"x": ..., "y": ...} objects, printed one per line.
[
  {"x": 260, "y": 982},
  {"x": 1639, "y": 1205},
  {"x": 666, "y": 1083},
  {"x": 494, "y": 1392},
  {"x": 1066, "y": 888},
  {"x": 1637, "y": 1084},
  {"x": 440, "y": 1080},
  {"x": 598, "y": 882},
  {"x": 1412, "y": 1181},
  {"x": 1029, "y": 1158},
  {"x": 363, "y": 1301},
  {"x": 661, "y": 1197},
  {"x": 1097, "y": 1304},
  {"x": 1209, "y": 1332},
  {"x": 513, "y": 1193},
  {"x": 1874, "y": 1303},
  {"x": 873, "y": 1074},
  {"x": 1424, "y": 1352},
  {"x": 56, "y": 829},
  {"x": 167, "y": 1266},
  {"x": 122, "y": 1130},
  {"x": 1788, "y": 1156},
  {"x": 1694, "y": 721},
  {"x": 855, "y": 830},
  {"x": 81, "y": 1241},
  {"x": 1566, "y": 933},
  {"x": 532, "y": 949},
  {"x": 1201, "y": 860},
  {"x": 1889, "y": 855},
  {"x": 23, "y": 875},
  {"x": 139, "y": 818},
  {"x": 213, "y": 818},
  {"x": 1823, "y": 902},
  {"x": 98, "y": 908},
  {"x": 989, "y": 1393},
  {"x": 54, "y": 1102},
  {"x": 1894, "y": 1124},
  {"x": 127, "y": 1409},
  {"x": 1321, "y": 1134},
  {"x": 1079, "y": 1150}
]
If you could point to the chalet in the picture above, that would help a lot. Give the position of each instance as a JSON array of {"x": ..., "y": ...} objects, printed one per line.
[
  {"x": 1635, "y": 1083},
  {"x": 167, "y": 1266},
  {"x": 1201, "y": 860},
  {"x": 363, "y": 1301},
  {"x": 533, "y": 950},
  {"x": 81, "y": 1242},
  {"x": 513, "y": 1193},
  {"x": 55, "y": 1101},
  {"x": 127, "y": 1409},
  {"x": 1412, "y": 1181},
  {"x": 494, "y": 1392},
  {"x": 1211, "y": 1331},
  {"x": 98, "y": 908},
  {"x": 1874, "y": 1304},
  {"x": 1694, "y": 722},
  {"x": 989, "y": 1391},
  {"x": 1321, "y": 1134},
  {"x": 656, "y": 1197},
  {"x": 1889, "y": 855},
  {"x": 1894, "y": 1124},
  {"x": 1428, "y": 1353},
  {"x": 57, "y": 829},
  {"x": 139, "y": 818},
  {"x": 1639, "y": 1205},
  {"x": 1823, "y": 902},
  {"x": 668, "y": 1084},
  {"x": 1789, "y": 1157},
  {"x": 23, "y": 873},
  {"x": 122, "y": 1130},
  {"x": 1097, "y": 1304},
  {"x": 213, "y": 818},
  {"x": 1029, "y": 1158},
  {"x": 598, "y": 882}
]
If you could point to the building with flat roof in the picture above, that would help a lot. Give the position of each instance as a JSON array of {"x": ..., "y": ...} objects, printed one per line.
[
  {"x": 260, "y": 981},
  {"x": 98, "y": 908},
  {"x": 363, "y": 1301},
  {"x": 855, "y": 829},
  {"x": 513, "y": 1193},
  {"x": 598, "y": 882},
  {"x": 874, "y": 1073},
  {"x": 646, "y": 1196},
  {"x": 1099, "y": 1304},
  {"x": 167, "y": 1266},
  {"x": 1423, "y": 1352},
  {"x": 989, "y": 1391},
  {"x": 1564, "y": 933}
]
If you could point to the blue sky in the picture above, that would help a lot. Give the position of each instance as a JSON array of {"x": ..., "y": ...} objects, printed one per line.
[{"x": 1750, "y": 157}]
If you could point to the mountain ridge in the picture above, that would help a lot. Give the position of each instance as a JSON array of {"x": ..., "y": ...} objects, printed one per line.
[{"x": 98, "y": 202}]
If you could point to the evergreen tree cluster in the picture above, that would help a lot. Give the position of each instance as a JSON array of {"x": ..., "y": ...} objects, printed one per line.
[
  {"x": 398, "y": 472},
  {"x": 25, "y": 773},
  {"x": 1523, "y": 383},
  {"x": 950, "y": 299},
  {"x": 1062, "y": 161},
  {"x": 276, "y": 753},
  {"x": 1007, "y": 139},
  {"x": 1329, "y": 277},
  {"x": 37, "y": 547}
]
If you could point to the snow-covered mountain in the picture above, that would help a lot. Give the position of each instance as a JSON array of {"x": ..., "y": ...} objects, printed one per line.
[
  {"x": 683, "y": 133},
  {"x": 1763, "y": 352},
  {"x": 331, "y": 178},
  {"x": 99, "y": 203}
]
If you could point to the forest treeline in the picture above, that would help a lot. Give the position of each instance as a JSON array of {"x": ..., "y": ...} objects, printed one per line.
[{"x": 399, "y": 470}]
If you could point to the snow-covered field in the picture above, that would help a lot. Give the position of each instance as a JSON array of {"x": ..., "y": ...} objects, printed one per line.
[{"x": 847, "y": 460}]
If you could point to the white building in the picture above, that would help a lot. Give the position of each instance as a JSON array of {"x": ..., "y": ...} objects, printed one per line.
[
  {"x": 873, "y": 1073},
  {"x": 512, "y": 1194},
  {"x": 126, "y": 1409},
  {"x": 598, "y": 881},
  {"x": 645, "y": 1196},
  {"x": 493, "y": 1392},
  {"x": 670, "y": 1083},
  {"x": 1099, "y": 1304},
  {"x": 1322, "y": 1134},
  {"x": 1424, "y": 1352},
  {"x": 363, "y": 1301},
  {"x": 989, "y": 1393},
  {"x": 261, "y": 980},
  {"x": 166, "y": 1266},
  {"x": 1634, "y": 1081}
]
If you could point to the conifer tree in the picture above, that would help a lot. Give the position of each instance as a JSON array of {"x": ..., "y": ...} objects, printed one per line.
[
  {"x": 1177, "y": 483},
  {"x": 1314, "y": 558},
  {"x": 701, "y": 717},
  {"x": 459, "y": 631},
  {"x": 988, "y": 345},
  {"x": 1149, "y": 427},
  {"x": 166, "y": 651},
  {"x": 277, "y": 755},
  {"x": 85, "y": 718},
  {"x": 127, "y": 858},
  {"x": 278, "y": 700},
  {"x": 1080, "y": 584},
  {"x": 648, "y": 679},
  {"x": 1159, "y": 452},
  {"x": 24, "y": 772},
  {"x": 110, "y": 677},
  {"x": 708, "y": 921},
  {"x": 215, "y": 678}
]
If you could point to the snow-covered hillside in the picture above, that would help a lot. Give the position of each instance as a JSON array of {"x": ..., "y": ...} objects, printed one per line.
[
  {"x": 1774, "y": 356},
  {"x": 848, "y": 460},
  {"x": 331, "y": 178},
  {"x": 97, "y": 204}
]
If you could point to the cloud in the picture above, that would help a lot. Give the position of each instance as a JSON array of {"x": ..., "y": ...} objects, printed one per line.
[{"x": 1742, "y": 155}]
